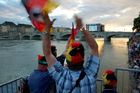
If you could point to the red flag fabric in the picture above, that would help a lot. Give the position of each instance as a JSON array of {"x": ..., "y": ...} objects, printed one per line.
[
  {"x": 76, "y": 30},
  {"x": 39, "y": 26},
  {"x": 35, "y": 10},
  {"x": 72, "y": 34},
  {"x": 39, "y": 57}
]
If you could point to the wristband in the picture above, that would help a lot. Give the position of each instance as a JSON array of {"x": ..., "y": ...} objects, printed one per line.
[
  {"x": 45, "y": 33},
  {"x": 81, "y": 29}
]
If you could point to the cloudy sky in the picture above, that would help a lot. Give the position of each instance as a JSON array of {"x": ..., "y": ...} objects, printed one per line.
[{"x": 116, "y": 15}]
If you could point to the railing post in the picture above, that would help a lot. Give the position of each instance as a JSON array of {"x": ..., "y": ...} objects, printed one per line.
[
  {"x": 7, "y": 88},
  {"x": 16, "y": 85},
  {"x": 12, "y": 87},
  {"x": 2, "y": 89},
  {"x": 122, "y": 81},
  {"x": 116, "y": 70}
]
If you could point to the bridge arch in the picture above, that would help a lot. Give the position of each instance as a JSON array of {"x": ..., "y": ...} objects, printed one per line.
[
  {"x": 26, "y": 37},
  {"x": 53, "y": 36},
  {"x": 36, "y": 37},
  {"x": 65, "y": 37},
  {"x": 109, "y": 37}
]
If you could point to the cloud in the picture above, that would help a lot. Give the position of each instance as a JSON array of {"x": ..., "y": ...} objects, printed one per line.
[
  {"x": 60, "y": 11},
  {"x": 13, "y": 11},
  {"x": 119, "y": 13}
]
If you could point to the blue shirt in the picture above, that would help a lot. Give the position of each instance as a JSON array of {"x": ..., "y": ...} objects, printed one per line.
[
  {"x": 66, "y": 78},
  {"x": 39, "y": 82}
]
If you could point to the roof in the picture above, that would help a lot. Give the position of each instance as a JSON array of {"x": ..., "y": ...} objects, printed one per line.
[
  {"x": 25, "y": 25},
  {"x": 9, "y": 23}
]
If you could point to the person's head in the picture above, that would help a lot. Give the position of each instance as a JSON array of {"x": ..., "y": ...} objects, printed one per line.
[
  {"x": 75, "y": 56},
  {"x": 109, "y": 79},
  {"x": 42, "y": 63},
  {"x": 137, "y": 36},
  {"x": 53, "y": 50}
]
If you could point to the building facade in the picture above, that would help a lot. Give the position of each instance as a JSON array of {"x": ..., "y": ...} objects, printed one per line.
[
  {"x": 9, "y": 30},
  {"x": 25, "y": 29},
  {"x": 61, "y": 29},
  {"x": 95, "y": 27}
]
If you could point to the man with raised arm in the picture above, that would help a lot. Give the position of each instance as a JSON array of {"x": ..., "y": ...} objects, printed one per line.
[{"x": 72, "y": 79}]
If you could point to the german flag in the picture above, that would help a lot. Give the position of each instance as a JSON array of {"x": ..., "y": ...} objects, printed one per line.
[{"x": 35, "y": 9}]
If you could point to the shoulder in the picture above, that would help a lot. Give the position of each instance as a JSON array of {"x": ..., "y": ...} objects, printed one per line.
[
  {"x": 56, "y": 67},
  {"x": 93, "y": 58},
  {"x": 34, "y": 73},
  {"x": 92, "y": 65},
  {"x": 38, "y": 74},
  {"x": 59, "y": 73}
]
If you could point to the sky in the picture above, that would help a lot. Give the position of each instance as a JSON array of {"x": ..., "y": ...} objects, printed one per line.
[{"x": 116, "y": 15}]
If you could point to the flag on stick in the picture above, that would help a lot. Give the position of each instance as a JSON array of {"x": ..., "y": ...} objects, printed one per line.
[
  {"x": 72, "y": 34},
  {"x": 36, "y": 8}
]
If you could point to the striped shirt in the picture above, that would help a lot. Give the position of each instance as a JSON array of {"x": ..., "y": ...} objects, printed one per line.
[{"x": 66, "y": 78}]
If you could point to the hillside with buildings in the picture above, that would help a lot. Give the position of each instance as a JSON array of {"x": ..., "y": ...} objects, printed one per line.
[
  {"x": 12, "y": 31},
  {"x": 9, "y": 30}
]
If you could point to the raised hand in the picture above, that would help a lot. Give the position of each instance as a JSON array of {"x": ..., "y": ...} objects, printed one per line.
[
  {"x": 47, "y": 21},
  {"x": 78, "y": 22}
]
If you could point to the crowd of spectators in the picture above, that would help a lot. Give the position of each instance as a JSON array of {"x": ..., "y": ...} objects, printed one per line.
[{"x": 134, "y": 58}]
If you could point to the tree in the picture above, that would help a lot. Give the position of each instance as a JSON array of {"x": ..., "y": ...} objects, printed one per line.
[{"x": 136, "y": 25}]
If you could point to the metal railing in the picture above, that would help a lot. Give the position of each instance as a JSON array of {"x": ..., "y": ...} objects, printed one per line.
[
  {"x": 126, "y": 79},
  {"x": 99, "y": 85},
  {"x": 125, "y": 82},
  {"x": 10, "y": 86},
  {"x": 13, "y": 85}
]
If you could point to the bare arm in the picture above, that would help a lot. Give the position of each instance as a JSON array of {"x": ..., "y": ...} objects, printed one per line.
[
  {"x": 67, "y": 45},
  {"x": 88, "y": 37},
  {"x": 91, "y": 42},
  {"x": 47, "y": 42}
]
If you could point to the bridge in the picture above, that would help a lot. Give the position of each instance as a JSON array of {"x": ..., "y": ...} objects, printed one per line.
[
  {"x": 65, "y": 35},
  {"x": 35, "y": 36}
]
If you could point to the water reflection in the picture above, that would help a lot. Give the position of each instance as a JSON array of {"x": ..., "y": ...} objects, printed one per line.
[
  {"x": 19, "y": 58},
  {"x": 100, "y": 43},
  {"x": 114, "y": 55}
]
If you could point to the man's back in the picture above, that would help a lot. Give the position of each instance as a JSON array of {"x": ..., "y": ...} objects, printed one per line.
[
  {"x": 67, "y": 78},
  {"x": 39, "y": 82}
]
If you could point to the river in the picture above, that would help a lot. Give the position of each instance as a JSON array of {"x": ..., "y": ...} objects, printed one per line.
[{"x": 19, "y": 57}]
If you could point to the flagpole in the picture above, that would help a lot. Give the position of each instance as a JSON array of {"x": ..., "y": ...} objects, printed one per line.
[{"x": 72, "y": 34}]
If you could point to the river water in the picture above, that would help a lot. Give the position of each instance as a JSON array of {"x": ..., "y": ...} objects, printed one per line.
[{"x": 19, "y": 57}]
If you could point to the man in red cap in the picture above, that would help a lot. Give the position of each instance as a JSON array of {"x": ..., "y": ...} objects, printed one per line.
[
  {"x": 40, "y": 80},
  {"x": 76, "y": 78},
  {"x": 109, "y": 81}
]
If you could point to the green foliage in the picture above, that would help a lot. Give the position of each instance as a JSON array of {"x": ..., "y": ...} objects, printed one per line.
[{"x": 136, "y": 25}]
